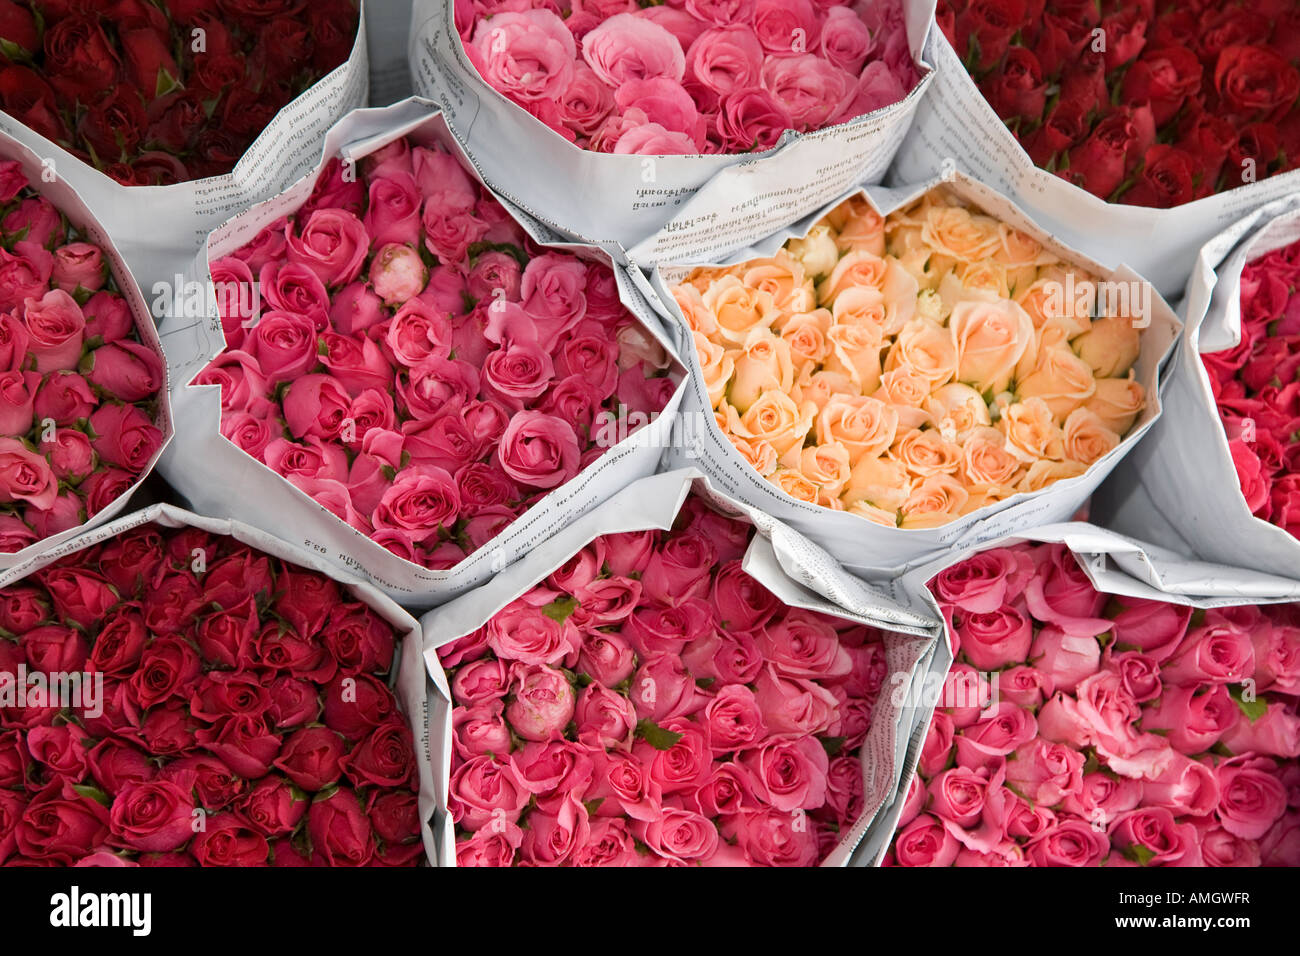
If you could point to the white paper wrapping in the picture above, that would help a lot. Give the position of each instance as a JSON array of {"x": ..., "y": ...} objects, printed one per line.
[
  {"x": 424, "y": 698},
  {"x": 793, "y": 568},
  {"x": 656, "y": 208},
  {"x": 70, "y": 203},
  {"x": 954, "y": 122},
  {"x": 856, "y": 542},
  {"x": 217, "y": 477},
  {"x": 159, "y": 228},
  {"x": 1180, "y": 488}
]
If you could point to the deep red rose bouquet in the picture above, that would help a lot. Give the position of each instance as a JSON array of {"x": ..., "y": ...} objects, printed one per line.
[
  {"x": 229, "y": 709},
  {"x": 1139, "y": 102},
  {"x": 416, "y": 364},
  {"x": 153, "y": 93},
  {"x": 1257, "y": 387},
  {"x": 79, "y": 389},
  {"x": 651, "y": 704},
  {"x": 1079, "y": 729}
]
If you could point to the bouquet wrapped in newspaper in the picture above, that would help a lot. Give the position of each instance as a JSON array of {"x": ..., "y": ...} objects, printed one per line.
[
  {"x": 1220, "y": 478},
  {"x": 168, "y": 117},
  {"x": 912, "y": 372},
  {"x": 660, "y": 685},
  {"x": 691, "y": 128},
  {"x": 83, "y": 398},
  {"x": 1132, "y": 131},
  {"x": 416, "y": 387},
  {"x": 182, "y": 691},
  {"x": 1081, "y": 728}
]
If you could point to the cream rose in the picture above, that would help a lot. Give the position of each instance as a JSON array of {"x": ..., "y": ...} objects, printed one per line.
[
  {"x": 986, "y": 461},
  {"x": 1031, "y": 431},
  {"x": 827, "y": 466},
  {"x": 698, "y": 316},
  {"x": 880, "y": 482},
  {"x": 934, "y": 501},
  {"x": 774, "y": 418},
  {"x": 857, "y": 268},
  {"x": 794, "y": 484},
  {"x": 763, "y": 365},
  {"x": 981, "y": 496},
  {"x": 1110, "y": 346},
  {"x": 861, "y": 305},
  {"x": 1043, "y": 473},
  {"x": 782, "y": 278},
  {"x": 957, "y": 232},
  {"x": 928, "y": 349},
  {"x": 923, "y": 452},
  {"x": 1117, "y": 402},
  {"x": 906, "y": 391},
  {"x": 806, "y": 334},
  {"x": 957, "y": 410},
  {"x": 738, "y": 309},
  {"x": 816, "y": 252},
  {"x": 1061, "y": 379},
  {"x": 862, "y": 425},
  {"x": 760, "y": 454},
  {"x": 855, "y": 352},
  {"x": 881, "y": 516},
  {"x": 990, "y": 338},
  {"x": 1087, "y": 439},
  {"x": 860, "y": 228},
  {"x": 820, "y": 387},
  {"x": 717, "y": 367},
  {"x": 1048, "y": 309}
]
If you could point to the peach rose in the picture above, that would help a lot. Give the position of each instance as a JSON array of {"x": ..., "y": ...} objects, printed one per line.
[
  {"x": 857, "y": 268},
  {"x": 1032, "y": 432},
  {"x": 1061, "y": 379},
  {"x": 855, "y": 353},
  {"x": 1110, "y": 346},
  {"x": 817, "y": 251},
  {"x": 901, "y": 291},
  {"x": 990, "y": 338},
  {"x": 861, "y": 305},
  {"x": 782, "y": 278},
  {"x": 1117, "y": 403},
  {"x": 957, "y": 410},
  {"x": 881, "y": 516},
  {"x": 1043, "y": 473},
  {"x": 1048, "y": 309},
  {"x": 774, "y": 418},
  {"x": 928, "y": 349},
  {"x": 698, "y": 317},
  {"x": 957, "y": 232},
  {"x": 880, "y": 482},
  {"x": 820, "y": 387},
  {"x": 827, "y": 466},
  {"x": 760, "y": 455},
  {"x": 986, "y": 461},
  {"x": 981, "y": 496},
  {"x": 794, "y": 484},
  {"x": 1087, "y": 438},
  {"x": 934, "y": 501},
  {"x": 738, "y": 309},
  {"x": 806, "y": 334},
  {"x": 862, "y": 425},
  {"x": 907, "y": 391},
  {"x": 763, "y": 365},
  {"x": 717, "y": 367},
  {"x": 1019, "y": 249},
  {"x": 860, "y": 228},
  {"x": 923, "y": 452}
]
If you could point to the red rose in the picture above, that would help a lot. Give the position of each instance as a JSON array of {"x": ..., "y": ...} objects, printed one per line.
[
  {"x": 1100, "y": 163},
  {"x": 1255, "y": 83},
  {"x": 175, "y": 121},
  {"x": 224, "y": 636},
  {"x": 149, "y": 63},
  {"x": 227, "y": 841},
  {"x": 985, "y": 29},
  {"x": 79, "y": 58},
  {"x": 81, "y": 597},
  {"x": 1125, "y": 35},
  {"x": 124, "y": 436},
  {"x": 169, "y": 667},
  {"x": 310, "y": 758},
  {"x": 114, "y": 764},
  {"x": 223, "y": 693},
  {"x": 30, "y": 100},
  {"x": 305, "y": 599},
  {"x": 359, "y": 639},
  {"x": 168, "y": 730},
  {"x": 1163, "y": 77},
  {"x": 120, "y": 641},
  {"x": 386, "y": 758},
  {"x": 340, "y": 832},
  {"x": 1206, "y": 139},
  {"x": 60, "y": 825},
  {"x": 334, "y": 28},
  {"x": 238, "y": 576},
  {"x": 155, "y": 816},
  {"x": 1165, "y": 180},
  {"x": 53, "y": 649},
  {"x": 293, "y": 702},
  {"x": 1065, "y": 125},
  {"x": 1257, "y": 150},
  {"x": 272, "y": 807},
  {"x": 1016, "y": 89},
  {"x": 395, "y": 815},
  {"x": 244, "y": 744},
  {"x": 22, "y": 607},
  {"x": 215, "y": 785},
  {"x": 356, "y": 704},
  {"x": 18, "y": 26}
]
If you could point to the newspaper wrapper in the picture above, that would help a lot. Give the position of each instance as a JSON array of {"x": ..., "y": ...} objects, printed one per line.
[
  {"x": 955, "y": 124},
  {"x": 854, "y": 541},
  {"x": 388, "y": 22},
  {"x": 70, "y": 203},
  {"x": 425, "y": 699},
  {"x": 655, "y": 208},
  {"x": 794, "y": 569},
  {"x": 217, "y": 477},
  {"x": 1113, "y": 563},
  {"x": 1180, "y": 488},
  {"x": 159, "y": 228}
]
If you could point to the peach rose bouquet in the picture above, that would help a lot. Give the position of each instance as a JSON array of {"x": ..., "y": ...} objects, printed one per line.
[{"x": 915, "y": 367}]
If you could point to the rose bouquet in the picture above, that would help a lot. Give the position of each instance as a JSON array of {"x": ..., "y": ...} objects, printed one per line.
[
  {"x": 1257, "y": 387},
  {"x": 1139, "y": 103},
  {"x": 82, "y": 416},
  {"x": 154, "y": 93},
  {"x": 172, "y": 696},
  {"x": 914, "y": 368},
  {"x": 694, "y": 77},
  {"x": 402, "y": 353},
  {"x": 650, "y": 703},
  {"x": 1078, "y": 729}
]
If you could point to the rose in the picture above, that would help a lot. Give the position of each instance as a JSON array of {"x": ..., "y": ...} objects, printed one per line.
[
  {"x": 1255, "y": 81},
  {"x": 339, "y": 830},
  {"x": 243, "y": 743},
  {"x": 153, "y": 817},
  {"x": 524, "y": 632},
  {"x": 788, "y": 774},
  {"x": 606, "y": 658},
  {"x": 386, "y": 758},
  {"x": 1068, "y": 843},
  {"x": 538, "y": 450},
  {"x": 273, "y": 807},
  {"x": 310, "y": 757},
  {"x": 543, "y": 704},
  {"x": 662, "y": 688},
  {"x": 680, "y": 835},
  {"x": 227, "y": 841},
  {"x": 1251, "y": 798},
  {"x": 1046, "y": 772},
  {"x": 421, "y": 500},
  {"x": 925, "y": 842},
  {"x": 1215, "y": 653},
  {"x": 124, "y": 436},
  {"x": 59, "y": 825},
  {"x": 995, "y": 639},
  {"x": 333, "y": 243},
  {"x": 128, "y": 371},
  {"x": 726, "y": 58},
  {"x": 605, "y": 717},
  {"x": 627, "y": 47},
  {"x": 25, "y": 476},
  {"x": 990, "y": 338},
  {"x": 483, "y": 790},
  {"x": 527, "y": 55},
  {"x": 397, "y": 274},
  {"x": 1193, "y": 716},
  {"x": 734, "y": 719},
  {"x": 1152, "y": 835},
  {"x": 56, "y": 329}
]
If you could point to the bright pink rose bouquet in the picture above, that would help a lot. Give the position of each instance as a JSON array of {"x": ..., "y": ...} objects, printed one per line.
[
  {"x": 1079, "y": 729},
  {"x": 1257, "y": 386},
  {"x": 79, "y": 389},
  {"x": 232, "y": 709},
  {"x": 651, "y": 704},
  {"x": 690, "y": 76},
  {"x": 415, "y": 363}
]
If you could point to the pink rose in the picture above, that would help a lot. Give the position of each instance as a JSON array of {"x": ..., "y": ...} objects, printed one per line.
[
  {"x": 16, "y": 401},
  {"x": 527, "y": 55},
  {"x": 333, "y": 243},
  {"x": 1022, "y": 686},
  {"x": 786, "y": 26},
  {"x": 1150, "y": 835},
  {"x": 937, "y": 749},
  {"x": 663, "y": 102},
  {"x": 1104, "y": 796},
  {"x": 803, "y": 644},
  {"x": 355, "y": 308},
  {"x": 24, "y": 274},
  {"x": 1275, "y": 733},
  {"x": 627, "y": 47},
  {"x": 483, "y": 790},
  {"x": 662, "y": 689},
  {"x": 789, "y": 774},
  {"x": 480, "y": 730},
  {"x": 845, "y": 40},
  {"x": 1009, "y": 728},
  {"x": 25, "y": 476},
  {"x": 539, "y": 451},
  {"x": 283, "y": 345},
  {"x": 1064, "y": 659},
  {"x": 317, "y": 406},
  {"x": 128, "y": 371},
  {"x": 925, "y": 842},
  {"x": 1186, "y": 787},
  {"x": 680, "y": 835},
  {"x": 397, "y": 273},
  {"x": 1060, "y": 593},
  {"x": 420, "y": 502},
  {"x": 750, "y": 119},
  {"x": 741, "y": 601},
  {"x": 1193, "y": 716},
  {"x": 393, "y": 212},
  {"x": 984, "y": 581},
  {"x": 56, "y": 330},
  {"x": 518, "y": 372},
  {"x": 725, "y": 59},
  {"x": 1068, "y": 843},
  {"x": 605, "y": 717},
  {"x": 523, "y": 632},
  {"x": 734, "y": 719},
  {"x": 1251, "y": 797},
  {"x": 1153, "y": 627},
  {"x": 556, "y": 834},
  {"x": 995, "y": 639},
  {"x": 553, "y": 766},
  {"x": 679, "y": 570},
  {"x": 13, "y": 342},
  {"x": 809, "y": 88},
  {"x": 606, "y": 658},
  {"x": 79, "y": 265},
  {"x": 543, "y": 704},
  {"x": 1045, "y": 772},
  {"x": 1216, "y": 653},
  {"x": 1139, "y": 673}
]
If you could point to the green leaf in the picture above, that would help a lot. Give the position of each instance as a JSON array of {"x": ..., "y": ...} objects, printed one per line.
[
  {"x": 593, "y": 805},
  {"x": 91, "y": 793},
  {"x": 1139, "y": 854},
  {"x": 1253, "y": 709},
  {"x": 832, "y": 745},
  {"x": 1198, "y": 618},
  {"x": 560, "y": 609},
  {"x": 14, "y": 52},
  {"x": 478, "y": 248},
  {"x": 656, "y": 736},
  {"x": 166, "y": 83}
]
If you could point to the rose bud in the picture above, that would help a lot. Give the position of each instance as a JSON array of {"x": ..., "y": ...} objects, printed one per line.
[
  {"x": 124, "y": 436},
  {"x": 310, "y": 757},
  {"x": 56, "y": 326},
  {"x": 43, "y": 222},
  {"x": 355, "y": 309},
  {"x": 103, "y": 488},
  {"x": 339, "y": 830},
  {"x": 273, "y": 807},
  {"x": 108, "y": 317},
  {"x": 154, "y": 816},
  {"x": 128, "y": 371},
  {"x": 397, "y": 273},
  {"x": 69, "y": 454},
  {"x": 227, "y": 841},
  {"x": 543, "y": 704},
  {"x": 79, "y": 265}
]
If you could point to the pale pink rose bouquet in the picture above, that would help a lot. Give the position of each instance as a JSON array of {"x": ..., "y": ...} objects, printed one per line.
[
  {"x": 651, "y": 704},
  {"x": 1081, "y": 729},
  {"x": 419, "y": 366},
  {"x": 916, "y": 367},
  {"x": 79, "y": 389},
  {"x": 689, "y": 76}
]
